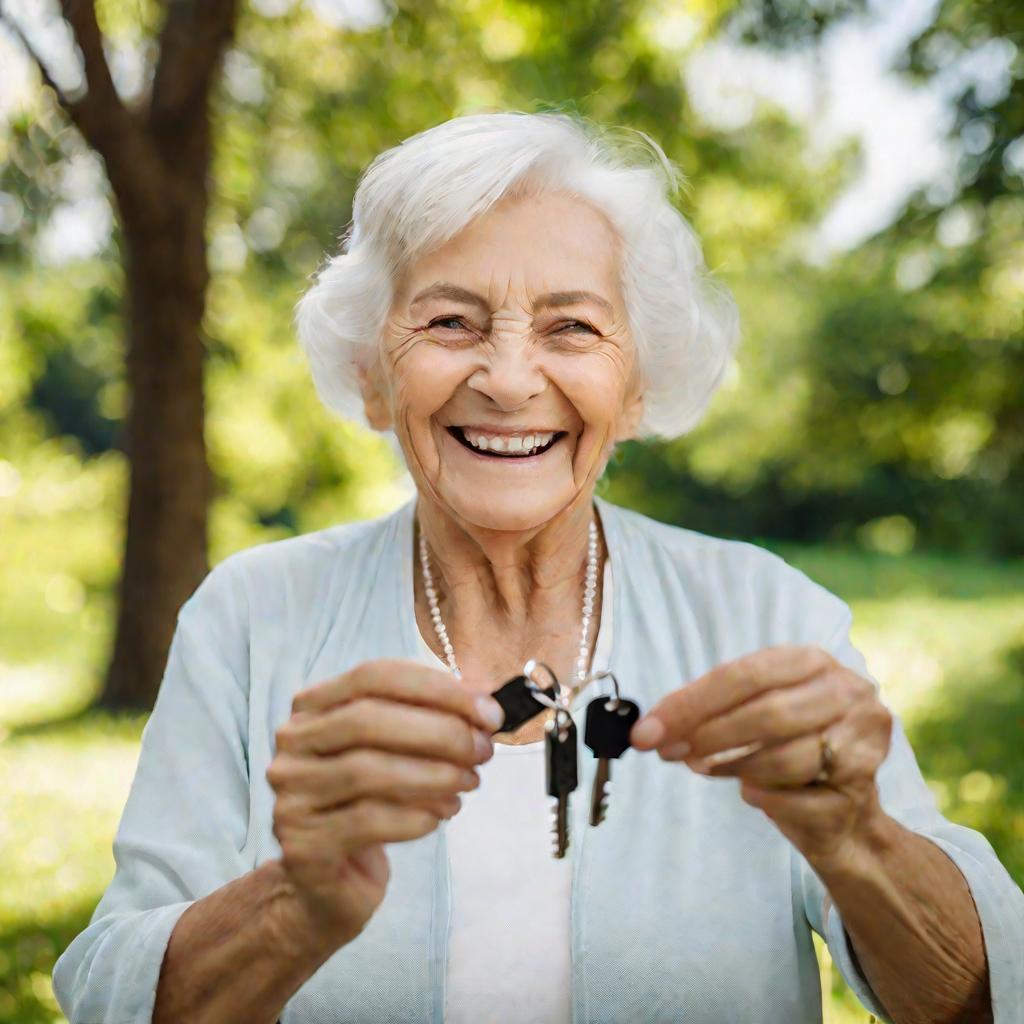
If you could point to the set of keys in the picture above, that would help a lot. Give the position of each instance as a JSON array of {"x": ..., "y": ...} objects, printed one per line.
[{"x": 605, "y": 732}]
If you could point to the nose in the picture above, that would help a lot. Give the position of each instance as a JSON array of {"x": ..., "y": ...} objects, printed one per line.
[{"x": 510, "y": 378}]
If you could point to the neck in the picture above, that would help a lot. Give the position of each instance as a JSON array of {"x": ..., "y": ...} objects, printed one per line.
[{"x": 518, "y": 575}]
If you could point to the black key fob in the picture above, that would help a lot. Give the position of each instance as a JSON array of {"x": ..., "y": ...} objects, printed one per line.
[
  {"x": 607, "y": 727},
  {"x": 518, "y": 703}
]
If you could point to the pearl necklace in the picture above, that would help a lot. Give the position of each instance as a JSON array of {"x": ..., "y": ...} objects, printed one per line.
[{"x": 589, "y": 592}]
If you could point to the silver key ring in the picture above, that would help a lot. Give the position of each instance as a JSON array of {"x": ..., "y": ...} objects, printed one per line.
[
  {"x": 561, "y": 702},
  {"x": 613, "y": 703}
]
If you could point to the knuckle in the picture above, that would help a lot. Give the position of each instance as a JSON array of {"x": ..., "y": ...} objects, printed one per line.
[
  {"x": 865, "y": 686},
  {"x": 360, "y": 676},
  {"x": 885, "y": 717},
  {"x": 351, "y": 769},
  {"x": 426, "y": 820},
  {"x": 288, "y": 812},
  {"x": 818, "y": 659},
  {"x": 856, "y": 688},
  {"x": 282, "y": 772},
  {"x": 775, "y": 712},
  {"x": 294, "y": 855},
  {"x": 361, "y": 710},
  {"x": 371, "y": 675},
  {"x": 301, "y": 698},
  {"x": 362, "y": 814}
]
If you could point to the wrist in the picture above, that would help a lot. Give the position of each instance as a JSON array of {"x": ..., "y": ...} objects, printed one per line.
[
  {"x": 290, "y": 921},
  {"x": 862, "y": 850}
]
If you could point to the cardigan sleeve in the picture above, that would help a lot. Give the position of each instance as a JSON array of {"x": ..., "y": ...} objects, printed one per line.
[
  {"x": 905, "y": 796},
  {"x": 185, "y": 823}
]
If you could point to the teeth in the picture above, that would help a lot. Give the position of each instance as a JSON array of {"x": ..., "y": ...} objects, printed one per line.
[{"x": 526, "y": 444}]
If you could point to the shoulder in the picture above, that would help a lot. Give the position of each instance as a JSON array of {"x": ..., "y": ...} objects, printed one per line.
[
  {"x": 734, "y": 576},
  {"x": 263, "y": 579}
]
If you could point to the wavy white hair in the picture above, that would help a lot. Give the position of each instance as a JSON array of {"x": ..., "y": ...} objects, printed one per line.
[{"x": 419, "y": 194}]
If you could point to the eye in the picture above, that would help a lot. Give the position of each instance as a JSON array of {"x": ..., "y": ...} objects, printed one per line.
[
  {"x": 575, "y": 325},
  {"x": 445, "y": 321}
]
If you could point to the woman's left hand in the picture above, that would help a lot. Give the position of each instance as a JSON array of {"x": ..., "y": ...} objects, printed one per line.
[{"x": 782, "y": 699}]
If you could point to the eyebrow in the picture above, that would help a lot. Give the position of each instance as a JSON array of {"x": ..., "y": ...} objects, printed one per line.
[
  {"x": 444, "y": 290},
  {"x": 574, "y": 299},
  {"x": 450, "y": 291}
]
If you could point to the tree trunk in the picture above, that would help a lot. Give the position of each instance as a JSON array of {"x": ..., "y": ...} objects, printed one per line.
[
  {"x": 166, "y": 544},
  {"x": 157, "y": 155}
]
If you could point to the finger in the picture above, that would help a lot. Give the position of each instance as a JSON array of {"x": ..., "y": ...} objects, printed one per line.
[
  {"x": 794, "y": 763},
  {"x": 859, "y": 739},
  {"x": 311, "y": 843},
  {"x": 375, "y": 821},
  {"x": 361, "y": 772},
  {"x": 780, "y": 714},
  {"x": 677, "y": 714},
  {"x": 402, "y": 680},
  {"x": 386, "y": 725},
  {"x": 443, "y": 807}
]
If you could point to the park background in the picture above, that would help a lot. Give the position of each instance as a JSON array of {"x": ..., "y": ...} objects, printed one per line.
[{"x": 855, "y": 173}]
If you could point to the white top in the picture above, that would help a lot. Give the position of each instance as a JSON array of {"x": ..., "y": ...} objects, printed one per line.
[
  {"x": 686, "y": 903},
  {"x": 509, "y": 945}
]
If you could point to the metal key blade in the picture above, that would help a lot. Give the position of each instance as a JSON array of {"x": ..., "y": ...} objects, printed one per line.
[
  {"x": 599, "y": 795},
  {"x": 562, "y": 773},
  {"x": 560, "y": 829}
]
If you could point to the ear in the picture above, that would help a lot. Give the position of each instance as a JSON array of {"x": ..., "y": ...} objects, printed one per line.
[{"x": 375, "y": 403}]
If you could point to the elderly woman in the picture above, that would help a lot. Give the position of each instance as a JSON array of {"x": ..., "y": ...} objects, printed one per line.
[{"x": 516, "y": 295}]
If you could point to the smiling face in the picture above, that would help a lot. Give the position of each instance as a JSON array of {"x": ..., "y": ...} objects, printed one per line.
[{"x": 507, "y": 369}]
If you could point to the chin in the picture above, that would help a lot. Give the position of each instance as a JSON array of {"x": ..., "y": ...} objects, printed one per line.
[{"x": 511, "y": 511}]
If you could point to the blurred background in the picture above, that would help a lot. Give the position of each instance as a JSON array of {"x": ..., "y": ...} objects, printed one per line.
[{"x": 168, "y": 184}]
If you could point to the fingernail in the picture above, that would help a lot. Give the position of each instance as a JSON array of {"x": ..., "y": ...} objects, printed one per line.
[
  {"x": 482, "y": 745},
  {"x": 490, "y": 711},
  {"x": 470, "y": 780},
  {"x": 648, "y": 731}
]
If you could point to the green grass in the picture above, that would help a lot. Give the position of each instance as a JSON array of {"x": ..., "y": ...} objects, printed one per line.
[{"x": 943, "y": 636}]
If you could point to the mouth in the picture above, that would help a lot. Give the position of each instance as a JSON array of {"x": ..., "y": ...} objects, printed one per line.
[{"x": 518, "y": 446}]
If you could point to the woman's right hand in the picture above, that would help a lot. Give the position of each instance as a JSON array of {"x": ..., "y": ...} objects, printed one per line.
[{"x": 376, "y": 755}]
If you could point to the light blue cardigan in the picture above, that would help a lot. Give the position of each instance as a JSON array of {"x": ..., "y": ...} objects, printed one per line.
[{"x": 687, "y": 903}]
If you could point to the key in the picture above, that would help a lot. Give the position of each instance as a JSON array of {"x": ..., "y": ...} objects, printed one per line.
[
  {"x": 518, "y": 703},
  {"x": 562, "y": 778},
  {"x": 606, "y": 732}
]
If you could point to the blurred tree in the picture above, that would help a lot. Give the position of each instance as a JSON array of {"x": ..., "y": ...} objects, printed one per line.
[
  {"x": 918, "y": 353},
  {"x": 157, "y": 156},
  {"x": 880, "y": 398}
]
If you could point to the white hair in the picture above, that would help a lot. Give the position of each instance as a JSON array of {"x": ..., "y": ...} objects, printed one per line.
[{"x": 419, "y": 194}]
